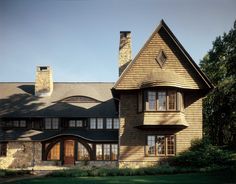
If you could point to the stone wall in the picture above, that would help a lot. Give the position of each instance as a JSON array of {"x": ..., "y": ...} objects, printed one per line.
[
  {"x": 22, "y": 155},
  {"x": 107, "y": 164},
  {"x": 25, "y": 155}
]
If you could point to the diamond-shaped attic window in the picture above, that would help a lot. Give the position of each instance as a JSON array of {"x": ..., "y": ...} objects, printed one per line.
[{"x": 161, "y": 58}]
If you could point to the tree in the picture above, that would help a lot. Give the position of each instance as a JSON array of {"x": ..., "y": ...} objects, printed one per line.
[{"x": 219, "y": 116}]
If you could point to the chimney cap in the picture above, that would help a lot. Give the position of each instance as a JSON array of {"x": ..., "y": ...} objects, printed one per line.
[
  {"x": 125, "y": 31},
  {"x": 43, "y": 68}
]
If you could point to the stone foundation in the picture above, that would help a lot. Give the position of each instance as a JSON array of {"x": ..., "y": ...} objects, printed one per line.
[
  {"x": 22, "y": 155},
  {"x": 137, "y": 164},
  {"x": 25, "y": 155},
  {"x": 107, "y": 164}
]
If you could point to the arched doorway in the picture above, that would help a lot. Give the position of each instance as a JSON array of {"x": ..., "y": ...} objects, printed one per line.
[{"x": 67, "y": 149}]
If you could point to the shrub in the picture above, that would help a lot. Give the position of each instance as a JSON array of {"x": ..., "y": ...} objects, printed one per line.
[
  {"x": 202, "y": 154},
  {"x": 9, "y": 173}
]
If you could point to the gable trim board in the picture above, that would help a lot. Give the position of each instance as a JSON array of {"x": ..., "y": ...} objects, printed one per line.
[{"x": 180, "y": 47}]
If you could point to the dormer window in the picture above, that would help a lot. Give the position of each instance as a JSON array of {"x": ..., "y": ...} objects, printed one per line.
[{"x": 161, "y": 58}]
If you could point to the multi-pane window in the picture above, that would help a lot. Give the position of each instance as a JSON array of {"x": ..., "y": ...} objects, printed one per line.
[
  {"x": 160, "y": 145},
  {"x": 92, "y": 123},
  {"x": 106, "y": 148},
  {"x": 151, "y": 100},
  {"x": 150, "y": 145},
  {"x": 22, "y": 123},
  {"x": 79, "y": 123},
  {"x": 3, "y": 149},
  {"x": 48, "y": 123},
  {"x": 116, "y": 123},
  {"x": 106, "y": 152},
  {"x": 51, "y": 123},
  {"x": 172, "y": 100},
  {"x": 114, "y": 152},
  {"x": 109, "y": 123},
  {"x": 100, "y": 123},
  {"x": 54, "y": 153},
  {"x": 161, "y": 100},
  {"x": 170, "y": 145},
  {"x": 99, "y": 152},
  {"x": 15, "y": 123},
  {"x": 75, "y": 123},
  {"x": 55, "y": 123},
  {"x": 72, "y": 123},
  {"x": 82, "y": 152}
]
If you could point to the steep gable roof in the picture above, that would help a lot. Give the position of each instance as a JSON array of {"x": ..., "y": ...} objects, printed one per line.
[{"x": 200, "y": 79}]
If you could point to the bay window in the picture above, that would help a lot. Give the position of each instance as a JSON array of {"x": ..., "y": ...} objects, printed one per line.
[{"x": 160, "y": 100}]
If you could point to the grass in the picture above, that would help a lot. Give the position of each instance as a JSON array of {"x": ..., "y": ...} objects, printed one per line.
[{"x": 217, "y": 177}]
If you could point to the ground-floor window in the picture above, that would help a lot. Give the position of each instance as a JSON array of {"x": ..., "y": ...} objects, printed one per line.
[
  {"x": 106, "y": 151},
  {"x": 3, "y": 149},
  {"x": 71, "y": 150},
  {"x": 54, "y": 153},
  {"x": 160, "y": 145},
  {"x": 83, "y": 153}
]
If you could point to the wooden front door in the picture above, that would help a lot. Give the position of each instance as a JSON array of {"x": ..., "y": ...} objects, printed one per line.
[{"x": 69, "y": 152}]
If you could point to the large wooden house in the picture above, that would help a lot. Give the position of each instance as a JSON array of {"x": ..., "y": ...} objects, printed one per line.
[{"x": 153, "y": 111}]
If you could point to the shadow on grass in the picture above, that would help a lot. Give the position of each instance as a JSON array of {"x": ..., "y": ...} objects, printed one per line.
[{"x": 217, "y": 177}]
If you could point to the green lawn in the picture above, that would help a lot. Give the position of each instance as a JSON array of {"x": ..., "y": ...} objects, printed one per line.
[{"x": 227, "y": 177}]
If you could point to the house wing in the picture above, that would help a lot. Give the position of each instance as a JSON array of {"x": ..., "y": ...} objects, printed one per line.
[{"x": 179, "y": 69}]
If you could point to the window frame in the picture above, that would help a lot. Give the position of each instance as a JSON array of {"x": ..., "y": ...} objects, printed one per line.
[
  {"x": 100, "y": 122},
  {"x": 51, "y": 123},
  {"x": 56, "y": 144},
  {"x": 178, "y": 101},
  {"x": 78, "y": 151},
  {"x": 95, "y": 124},
  {"x": 118, "y": 123},
  {"x": 166, "y": 146},
  {"x": 101, "y": 152},
  {"x": 111, "y": 123},
  {"x": 111, "y": 147},
  {"x": 175, "y": 100}
]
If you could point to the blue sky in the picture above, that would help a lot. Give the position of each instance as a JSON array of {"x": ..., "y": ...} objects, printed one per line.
[{"x": 79, "y": 39}]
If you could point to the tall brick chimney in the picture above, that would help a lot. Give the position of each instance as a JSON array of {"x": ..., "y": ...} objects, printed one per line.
[
  {"x": 43, "y": 81},
  {"x": 125, "y": 55}
]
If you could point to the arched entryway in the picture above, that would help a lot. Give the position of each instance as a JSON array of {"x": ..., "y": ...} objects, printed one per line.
[{"x": 67, "y": 149}]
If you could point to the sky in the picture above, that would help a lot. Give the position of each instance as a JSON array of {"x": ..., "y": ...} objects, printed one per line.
[{"x": 79, "y": 39}]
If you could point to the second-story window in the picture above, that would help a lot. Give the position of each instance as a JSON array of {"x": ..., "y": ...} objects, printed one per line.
[
  {"x": 109, "y": 123},
  {"x": 92, "y": 123},
  {"x": 163, "y": 100},
  {"x": 172, "y": 100},
  {"x": 100, "y": 123},
  {"x": 75, "y": 123},
  {"x": 51, "y": 123},
  {"x": 151, "y": 100},
  {"x": 116, "y": 123}
]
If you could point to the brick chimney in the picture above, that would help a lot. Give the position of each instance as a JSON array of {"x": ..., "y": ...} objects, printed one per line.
[
  {"x": 125, "y": 55},
  {"x": 43, "y": 81}
]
